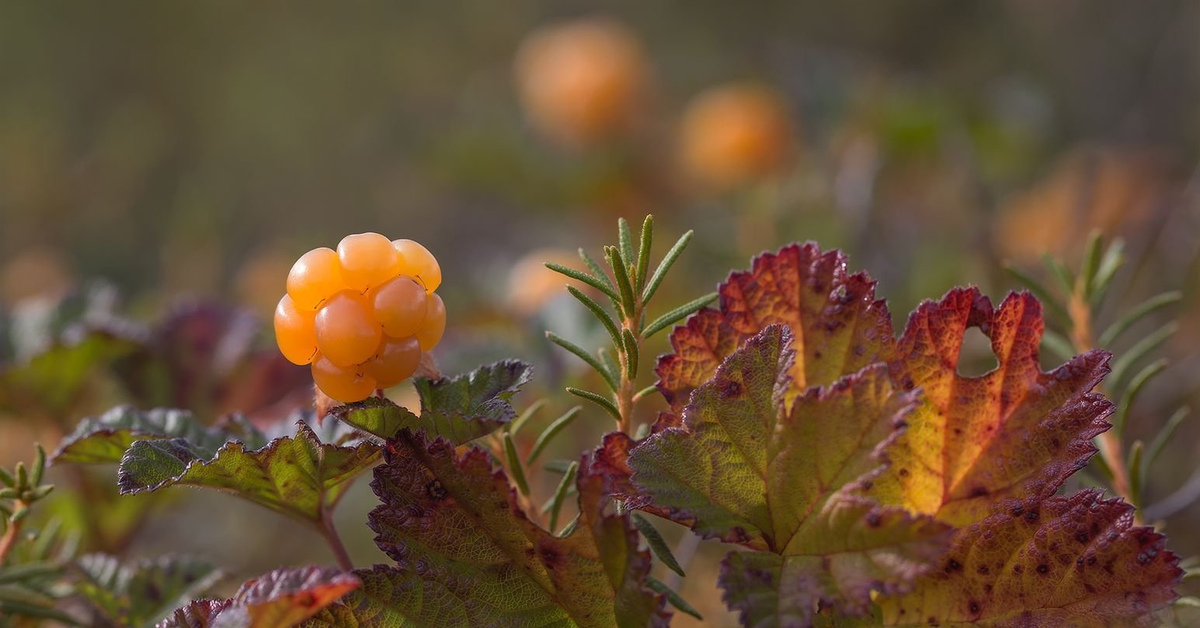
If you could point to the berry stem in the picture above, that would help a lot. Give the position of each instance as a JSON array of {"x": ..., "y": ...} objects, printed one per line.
[{"x": 329, "y": 531}]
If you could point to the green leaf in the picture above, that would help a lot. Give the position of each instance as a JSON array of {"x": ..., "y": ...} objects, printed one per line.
[
  {"x": 560, "y": 494},
  {"x": 482, "y": 561},
  {"x": 1091, "y": 262},
  {"x": 599, "y": 400},
  {"x": 143, "y": 592},
  {"x": 1048, "y": 301},
  {"x": 582, "y": 354},
  {"x": 1148, "y": 306},
  {"x": 673, "y": 598},
  {"x": 105, "y": 439},
  {"x": 631, "y": 353},
  {"x": 296, "y": 475},
  {"x": 599, "y": 313},
  {"x": 461, "y": 409},
  {"x": 599, "y": 273},
  {"x": 1164, "y": 436},
  {"x": 514, "y": 464},
  {"x": 1126, "y": 360},
  {"x": 624, "y": 284},
  {"x": 742, "y": 469},
  {"x": 665, "y": 265},
  {"x": 1113, "y": 259},
  {"x": 1059, "y": 270},
  {"x": 583, "y": 277},
  {"x": 514, "y": 428},
  {"x": 1133, "y": 390},
  {"x": 678, "y": 314},
  {"x": 280, "y": 599},
  {"x": 625, "y": 239},
  {"x": 657, "y": 544},
  {"x": 550, "y": 432},
  {"x": 644, "y": 244}
]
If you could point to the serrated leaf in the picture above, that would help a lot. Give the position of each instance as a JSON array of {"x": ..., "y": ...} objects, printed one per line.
[
  {"x": 467, "y": 555},
  {"x": 459, "y": 409},
  {"x": 296, "y": 475},
  {"x": 143, "y": 592},
  {"x": 1014, "y": 432},
  {"x": 105, "y": 438},
  {"x": 1063, "y": 561},
  {"x": 280, "y": 599},
  {"x": 748, "y": 467},
  {"x": 838, "y": 325}
]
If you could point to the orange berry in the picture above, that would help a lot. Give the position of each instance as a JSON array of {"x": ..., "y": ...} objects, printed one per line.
[
  {"x": 582, "y": 81},
  {"x": 734, "y": 135},
  {"x": 345, "y": 384},
  {"x": 347, "y": 332},
  {"x": 295, "y": 331},
  {"x": 397, "y": 360},
  {"x": 400, "y": 306},
  {"x": 367, "y": 260},
  {"x": 315, "y": 277},
  {"x": 431, "y": 331},
  {"x": 416, "y": 261}
]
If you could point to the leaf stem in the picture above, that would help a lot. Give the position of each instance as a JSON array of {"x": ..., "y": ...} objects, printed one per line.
[
  {"x": 9, "y": 540},
  {"x": 329, "y": 531},
  {"x": 1112, "y": 450}
]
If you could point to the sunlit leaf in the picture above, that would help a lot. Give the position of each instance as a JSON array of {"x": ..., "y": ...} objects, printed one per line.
[
  {"x": 837, "y": 324},
  {"x": 280, "y": 599},
  {"x": 459, "y": 409},
  {"x": 294, "y": 475},
  {"x": 749, "y": 467},
  {"x": 105, "y": 438},
  {"x": 1013, "y": 432}
]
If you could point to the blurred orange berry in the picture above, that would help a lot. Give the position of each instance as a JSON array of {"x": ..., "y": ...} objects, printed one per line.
[
  {"x": 734, "y": 135},
  {"x": 38, "y": 272},
  {"x": 531, "y": 285},
  {"x": 582, "y": 81},
  {"x": 1113, "y": 191}
]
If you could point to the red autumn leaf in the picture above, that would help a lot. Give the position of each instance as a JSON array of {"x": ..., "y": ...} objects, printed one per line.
[
  {"x": 1063, "y": 561},
  {"x": 1014, "y": 432},
  {"x": 838, "y": 325}
]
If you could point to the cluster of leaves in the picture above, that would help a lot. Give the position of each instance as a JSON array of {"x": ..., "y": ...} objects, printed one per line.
[
  {"x": 629, "y": 286},
  {"x": 858, "y": 477},
  {"x": 870, "y": 478}
]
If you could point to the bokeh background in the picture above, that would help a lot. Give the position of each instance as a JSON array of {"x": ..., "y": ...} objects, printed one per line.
[{"x": 190, "y": 152}]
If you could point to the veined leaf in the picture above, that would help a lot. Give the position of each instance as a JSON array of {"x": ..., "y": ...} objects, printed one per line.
[
  {"x": 280, "y": 599},
  {"x": 837, "y": 324},
  {"x": 1014, "y": 432},
  {"x": 1061, "y": 561},
  {"x": 749, "y": 467},
  {"x": 467, "y": 555},
  {"x": 459, "y": 409},
  {"x": 295, "y": 475},
  {"x": 104, "y": 439}
]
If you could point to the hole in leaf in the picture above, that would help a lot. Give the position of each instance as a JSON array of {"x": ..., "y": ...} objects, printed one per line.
[{"x": 976, "y": 357}]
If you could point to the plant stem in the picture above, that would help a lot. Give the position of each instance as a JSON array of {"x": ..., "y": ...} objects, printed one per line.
[
  {"x": 9, "y": 540},
  {"x": 329, "y": 531},
  {"x": 1112, "y": 451}
]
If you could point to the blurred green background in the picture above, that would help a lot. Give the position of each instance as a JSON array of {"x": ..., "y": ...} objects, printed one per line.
[{"x": 196, "y": 149}]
